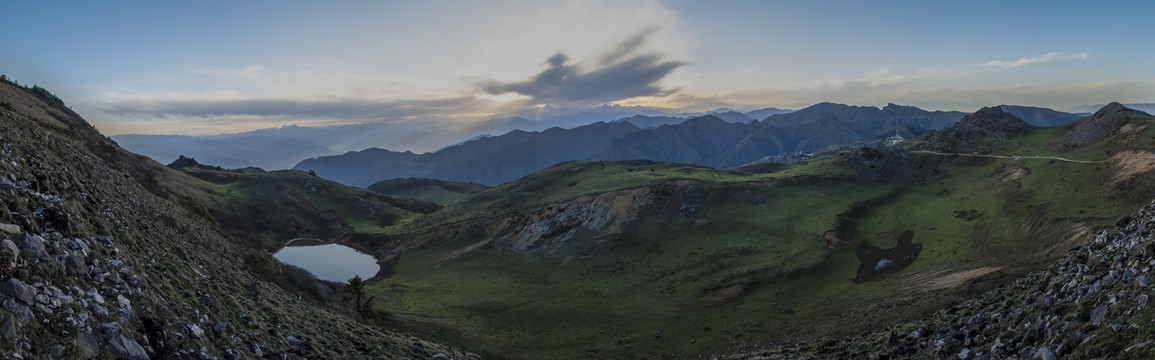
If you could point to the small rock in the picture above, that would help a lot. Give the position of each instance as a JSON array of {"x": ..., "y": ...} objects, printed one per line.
[
  {"x": 195, "y": 330},
  {"x": 1099, "y": 313},
  {"x": 293, "y": 340},
  {"x": 257, "y": 351},
  {"x": 99, "y": 310},
  {"x": 16, "y": 288},
  {"x": 1045, "y": 353},
  {"x": 95, "y": 296},
  {"x": 123, "y": 301},
  {"x": 440, "y": 356},
  {"x": 219, "y": 327}
]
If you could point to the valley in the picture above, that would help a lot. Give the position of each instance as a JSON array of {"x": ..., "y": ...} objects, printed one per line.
[
  {"x": 577, "y": 179},
  {"x": 642, "y": 258},
  {"x": 639, "y": 258}
]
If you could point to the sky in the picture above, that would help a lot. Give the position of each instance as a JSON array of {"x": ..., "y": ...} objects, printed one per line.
[{"x": 206, "y": 67}]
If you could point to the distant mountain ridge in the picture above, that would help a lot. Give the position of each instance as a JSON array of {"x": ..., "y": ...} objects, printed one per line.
[
  {"x": 722, "y": 139},
  {"x": 486, "y": 160},
  {"x": 709, "y": 141},
  {"x": 283, "y": 147}
]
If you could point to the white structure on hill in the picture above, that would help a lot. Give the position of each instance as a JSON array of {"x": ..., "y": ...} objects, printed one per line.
[{"x": 894, "y": 140}]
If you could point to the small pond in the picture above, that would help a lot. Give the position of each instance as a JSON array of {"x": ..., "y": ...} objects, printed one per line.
[{"x": 331, "y": 262}]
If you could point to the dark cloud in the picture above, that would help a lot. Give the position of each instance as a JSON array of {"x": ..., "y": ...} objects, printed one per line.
[
  {"x": 621, "y": 73},
  {"x": 334, "y": 109},
  {"x": 625, "y": 48}
]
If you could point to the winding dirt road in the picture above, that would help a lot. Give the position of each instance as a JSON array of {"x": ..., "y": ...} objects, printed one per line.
[{"x": 1015, "y": 157}]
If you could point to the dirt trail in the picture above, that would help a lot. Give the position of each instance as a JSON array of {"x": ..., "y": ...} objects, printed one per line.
[
  {"x": 941, "y": 278},
  {"x": 1015, "y": 157}
]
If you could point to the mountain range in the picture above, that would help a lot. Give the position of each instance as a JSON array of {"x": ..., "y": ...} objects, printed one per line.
[
  {"x": 281, "y": 148},
  {"x": 719, "y": 140}
]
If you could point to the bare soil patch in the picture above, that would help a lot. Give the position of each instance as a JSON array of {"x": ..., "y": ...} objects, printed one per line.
[{"x": 1131, "y": 162}]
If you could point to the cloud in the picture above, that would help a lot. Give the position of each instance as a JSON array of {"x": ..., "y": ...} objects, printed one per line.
[
  {"x": 625, "y": 48},
  {"x": 1055, "y": 56},
  {"x": 313, "y": 109},
  {"x": 620, "y": 73}
]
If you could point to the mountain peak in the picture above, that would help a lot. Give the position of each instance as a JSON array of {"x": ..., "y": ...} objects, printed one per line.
[
  {"x": 1113, "y": 107},
  {"x": 994, "y": 119},
  {"x": 896, "y": 107},
  {"x": 183, "y": 161},
  {"x": 706, "y": 120},
  {"x": 978, "y": 132},
  {"x": 1108, "y": 122}
]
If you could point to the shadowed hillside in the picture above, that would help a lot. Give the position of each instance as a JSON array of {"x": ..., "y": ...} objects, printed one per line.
[{"x": 107, "y": 254}]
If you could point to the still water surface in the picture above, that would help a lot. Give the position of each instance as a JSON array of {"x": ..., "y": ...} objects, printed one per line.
[{"x": 332, "y": 262}]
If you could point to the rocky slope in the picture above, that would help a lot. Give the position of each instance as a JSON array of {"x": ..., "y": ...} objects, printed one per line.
[
  {"x": 102, "y": 257},
  {"x": 1094, "y": 303}
]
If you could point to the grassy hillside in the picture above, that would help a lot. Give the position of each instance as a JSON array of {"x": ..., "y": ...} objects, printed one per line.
[
  {"x": 636, "y": 258},
  {"x": 279, "y": 205},
  {"x": 715, "y": 260},
  {"x": 435, "y": 191}
]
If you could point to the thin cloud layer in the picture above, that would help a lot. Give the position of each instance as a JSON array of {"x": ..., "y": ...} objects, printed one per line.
[
  {"x": 621, "y": 73},
  {"x": 1055, "y": 56},
  {"x": 339, "y": 109}
]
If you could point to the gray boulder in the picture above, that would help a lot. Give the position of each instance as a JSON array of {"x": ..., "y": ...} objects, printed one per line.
[
  {"x": 122, "y": 346},
  {"x": 10, "y": 228},
  {"x": 17, "y": 289},
  {"x": 8, "y": 254},
  {"x": 34, "y": 245},
  {"x": 1099, "y": 313},
  {"x": 22, "y": 313},
  {"x": 8, "y": 329},
  {"x": 74, "y": 264},
  {"x": 89, "y": 345}
]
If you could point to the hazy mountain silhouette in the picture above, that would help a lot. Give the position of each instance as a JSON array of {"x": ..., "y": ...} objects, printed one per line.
[
  {"x": 485, "y": 160},
  {"x": 1040, "y": 116}
]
